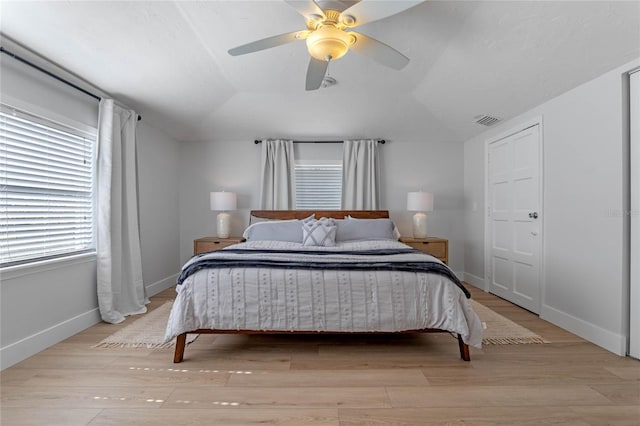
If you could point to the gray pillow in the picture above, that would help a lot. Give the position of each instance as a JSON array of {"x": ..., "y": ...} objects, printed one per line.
[
  {"x": 396, "y": 231},
  {"x": 364, "y": 229},
  {"x": 278, "y": 230}
]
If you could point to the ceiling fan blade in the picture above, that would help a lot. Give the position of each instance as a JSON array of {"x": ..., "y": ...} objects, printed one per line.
[
  {"x": 369, "y": 11},
  {"x": 269, "y": 42},
  {"x": 307, "y": 8},
  {"x": 315, "y": 73},
  {"x": 378, "y": 51}
]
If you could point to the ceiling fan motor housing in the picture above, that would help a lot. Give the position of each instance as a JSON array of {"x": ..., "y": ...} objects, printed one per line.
[{"x": 328, "y": 39}]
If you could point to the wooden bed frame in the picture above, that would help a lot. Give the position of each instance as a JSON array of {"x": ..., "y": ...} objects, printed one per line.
[{"x": 181, "y": 339}]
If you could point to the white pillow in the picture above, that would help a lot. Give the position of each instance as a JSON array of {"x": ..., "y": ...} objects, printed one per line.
[{"x": 319, "y": 232}]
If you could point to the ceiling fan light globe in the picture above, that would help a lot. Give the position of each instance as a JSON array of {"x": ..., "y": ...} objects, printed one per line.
[{"x": 328, "y": 41}]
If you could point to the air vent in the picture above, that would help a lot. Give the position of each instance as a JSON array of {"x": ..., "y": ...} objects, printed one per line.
[{"x": 486, "y": 120}]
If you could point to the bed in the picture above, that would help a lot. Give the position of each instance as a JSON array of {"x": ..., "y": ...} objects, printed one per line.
[{"x": 320, "y": 272}]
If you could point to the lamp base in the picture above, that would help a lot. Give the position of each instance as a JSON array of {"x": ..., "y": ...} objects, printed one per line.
[
  {"x": 419, "y": 225},
  {"x": 223, "y": 222}
]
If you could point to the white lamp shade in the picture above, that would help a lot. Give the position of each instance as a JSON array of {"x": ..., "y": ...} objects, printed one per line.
[
  {"x": 420, "y": 201},
  {"x": 223, "y": 201}
]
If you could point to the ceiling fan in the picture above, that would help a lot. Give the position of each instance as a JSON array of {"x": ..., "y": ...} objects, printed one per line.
[{"x": 329, "y": 35}]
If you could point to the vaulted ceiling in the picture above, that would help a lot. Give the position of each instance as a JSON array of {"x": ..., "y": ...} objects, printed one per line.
[{"x": 169, "y": 61}]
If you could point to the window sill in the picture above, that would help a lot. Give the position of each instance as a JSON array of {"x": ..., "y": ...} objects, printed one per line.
[{"x": 12, "y": 272}]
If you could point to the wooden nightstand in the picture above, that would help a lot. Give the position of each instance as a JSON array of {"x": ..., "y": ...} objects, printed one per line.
[
  {"x": 436, "y": 247},
  {"x": 203, "y": 245}
]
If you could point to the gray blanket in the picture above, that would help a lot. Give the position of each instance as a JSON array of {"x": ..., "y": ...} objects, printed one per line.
[{"x": 407, "y": 260}]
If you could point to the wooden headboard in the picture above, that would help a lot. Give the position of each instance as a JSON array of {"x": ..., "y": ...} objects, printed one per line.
[{"x": 337, "y": 214}]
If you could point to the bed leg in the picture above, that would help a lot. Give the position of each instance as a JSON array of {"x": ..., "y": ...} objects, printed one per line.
[
  {"x": 464, "y": 349},
  {"x": 181, "y": 342}
]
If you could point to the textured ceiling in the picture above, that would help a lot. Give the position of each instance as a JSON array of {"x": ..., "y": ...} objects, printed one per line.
[{"x": 169, "y": 61}]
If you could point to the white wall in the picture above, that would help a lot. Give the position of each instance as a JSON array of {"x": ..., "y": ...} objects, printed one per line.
[
  {"x": 585, "y": 280},
  {"x": 158, "y": 179},
  {"x": 405, "y": 166},
  {"x": 474, "y": 212}
]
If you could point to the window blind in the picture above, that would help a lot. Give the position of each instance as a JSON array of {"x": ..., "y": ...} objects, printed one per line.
[
  {"x": 47, "y": 190},
  {"x": 318, "y": 186}
]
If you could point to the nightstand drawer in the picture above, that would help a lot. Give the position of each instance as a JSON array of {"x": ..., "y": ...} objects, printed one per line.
[
  {"x": 436, "y": 249},
  {"x": 206, "y": 244}
]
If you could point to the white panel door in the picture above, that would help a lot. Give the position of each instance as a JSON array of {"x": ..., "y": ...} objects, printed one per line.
[
  {"x": 634, "y": 320},
  {"x": 515, "y": 218}
]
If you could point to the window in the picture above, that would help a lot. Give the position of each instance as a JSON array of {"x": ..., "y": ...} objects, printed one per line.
[
  {"x": 318, "y": 185},
  {"x": 46, "y": 188}
]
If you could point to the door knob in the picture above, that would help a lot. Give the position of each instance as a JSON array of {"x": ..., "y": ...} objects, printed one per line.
[{"x": 533, "y": 215}]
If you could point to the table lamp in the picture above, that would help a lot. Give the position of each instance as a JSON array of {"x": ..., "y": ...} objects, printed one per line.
[
  {"x": 223, "y": 202},
  {"x": 420, "y": 202}
]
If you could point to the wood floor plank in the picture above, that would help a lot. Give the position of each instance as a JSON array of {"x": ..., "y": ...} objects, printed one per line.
[
  {"x": 231, "y": 417},
  {"x": 68, "y": 361},
  {"x": 514, "y": 375},
  {"x": 40, "y": 397},
  {"x": 47, "y": 416},
  {"x": 125, "y": 376},
  {"x": 388, "y": 360},
  {"x": 278, "y": 397},
  {"x": 15, "y": 376},
  {"x": 620, "y": 393},
  {"x": 209, "y": 360},
  {"x": 358, "y": 378},
  {"x": 476, "y": 416},
  {"x": 632, "y": 372},
  {"x": 619, "y": 415},
  {"x": 494, "y": 396}
]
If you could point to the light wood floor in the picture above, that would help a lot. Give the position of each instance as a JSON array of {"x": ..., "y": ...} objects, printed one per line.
[{"x": 325, "y": 380}]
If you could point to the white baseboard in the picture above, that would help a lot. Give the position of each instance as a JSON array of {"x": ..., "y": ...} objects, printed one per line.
[
  {"x": 161, "y": 285},
  {"x": 612, "y": 342},
  {"x": 474, "y": 280},
  {"x": 31, "y": 345}
]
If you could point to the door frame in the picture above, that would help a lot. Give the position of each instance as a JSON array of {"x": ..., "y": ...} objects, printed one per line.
[
  {"x": 487, "y": 223},
  {"x": 633, "y": 343}
]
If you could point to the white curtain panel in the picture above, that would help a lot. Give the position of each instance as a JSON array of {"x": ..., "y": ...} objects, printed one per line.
[
  {"x": 360, "y": 186},
  {"x": 278, "y": 186},
  {"x": 119, "y": 269}
]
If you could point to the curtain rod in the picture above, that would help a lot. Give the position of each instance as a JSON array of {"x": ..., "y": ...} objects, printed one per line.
[
  {"x": 52, "y": 75},
  {"x": 380, "y": 141}
]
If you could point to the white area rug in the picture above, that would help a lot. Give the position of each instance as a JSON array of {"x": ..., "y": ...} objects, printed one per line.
[
  {"x": 148, "y": 331},
  {"x": 145, "y": 332},
  {"x": 499, "y": 330}
]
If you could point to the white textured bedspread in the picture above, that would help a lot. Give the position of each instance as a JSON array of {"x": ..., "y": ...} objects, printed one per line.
[{"x": 260, "y": 298}]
